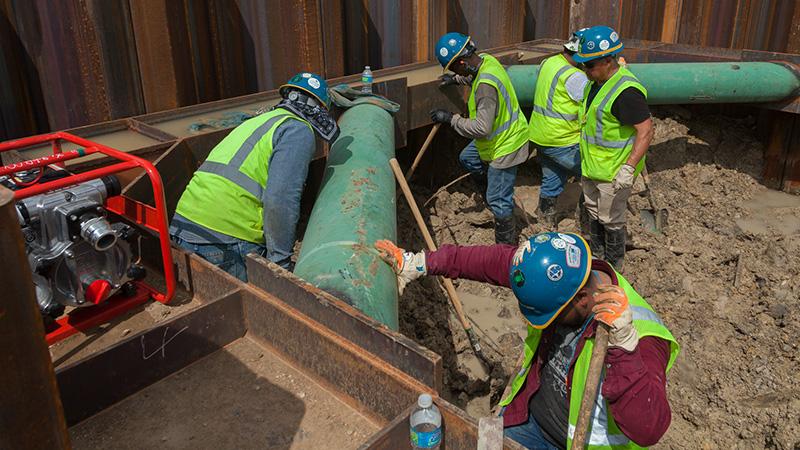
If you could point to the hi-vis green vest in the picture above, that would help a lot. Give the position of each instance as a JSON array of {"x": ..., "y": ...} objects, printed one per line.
[
  {"x": 224, "y": 194},
  {"x": 510, "y": 129},
  {"x": 554, "y": 120},
  {"x": 604, "y": 432},
  {"x": 606, "y": 144}
]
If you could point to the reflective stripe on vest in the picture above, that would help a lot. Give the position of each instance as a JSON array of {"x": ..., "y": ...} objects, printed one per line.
[
  {"x": 554, "y": 120},
  {"x": 230, "y": 171},
  {"x": 604, "y": 431},
  {"x": 509, "y": 128},
  {"x": 605, "y": 143},
  {"x": 225, "y": 193}
]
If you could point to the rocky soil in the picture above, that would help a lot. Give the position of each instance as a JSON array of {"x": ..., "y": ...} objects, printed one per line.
[{"x": 724, "y": 276}]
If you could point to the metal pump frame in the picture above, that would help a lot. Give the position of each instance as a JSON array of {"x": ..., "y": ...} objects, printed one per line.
[{"x": 154, "y": 219}]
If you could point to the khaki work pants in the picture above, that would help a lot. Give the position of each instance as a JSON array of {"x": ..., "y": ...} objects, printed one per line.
[{"x": 604, "y": 204}]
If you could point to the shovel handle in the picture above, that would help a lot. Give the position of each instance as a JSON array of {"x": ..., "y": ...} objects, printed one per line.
[{"x": 592, "y": 383}]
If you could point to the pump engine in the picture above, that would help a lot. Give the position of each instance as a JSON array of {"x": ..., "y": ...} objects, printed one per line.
[{"x": 77, "y": 256}]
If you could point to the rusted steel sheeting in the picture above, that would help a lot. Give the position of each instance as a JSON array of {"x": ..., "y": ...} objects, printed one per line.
[
  {"x": 378, "y": 389},
  {"x": 643, "y": 19},
  {"x": 162, "y": 45},
  {"x": 331, "y": 13},
  {"x": 780, "y": 130},
  {"x": 490, "y": 24},
  {"x": 97, "y": 381},
  {"x": 344, "y": 320},
  {"x": 460, "y": 431},
  {"x": 379, "y": 33},
  {"x": 33, "y": 416}
]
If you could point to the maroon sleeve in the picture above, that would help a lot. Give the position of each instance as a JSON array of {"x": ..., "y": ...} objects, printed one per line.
[
  {"x": 635, "y": 387},
  {"x": 487, "y": 263}
]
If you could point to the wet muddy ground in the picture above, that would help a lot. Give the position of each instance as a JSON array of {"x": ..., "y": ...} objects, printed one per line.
[{"x": 724, "y": 276}]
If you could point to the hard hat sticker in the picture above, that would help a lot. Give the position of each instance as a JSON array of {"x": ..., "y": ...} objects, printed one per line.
[
  {"x": 443, "y": 51},
  {"x": 558, "y": 244},
  {"x": 604, "y": 45},
  {"x": 573, "y": 256},
  {"x": 555, "y": 272},
  {"x": 541, "y": 238},
  {"x": 566, "y": 237},
  {"x": 313, "y": 82}
]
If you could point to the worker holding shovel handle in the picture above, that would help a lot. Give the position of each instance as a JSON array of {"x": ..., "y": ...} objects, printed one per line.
[{"x": 563, "y": 294}]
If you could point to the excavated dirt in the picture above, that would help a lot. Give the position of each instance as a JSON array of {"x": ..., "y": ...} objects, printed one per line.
[{"x": 723, "y": 276}]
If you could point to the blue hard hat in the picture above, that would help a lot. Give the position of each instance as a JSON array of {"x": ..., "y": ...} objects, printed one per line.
[
  {"x": 449, "y": 47},
  {"x": 597, "y": 42},
  {"x": 546, "y": 273},
  {"x": 310, "y": 83}
]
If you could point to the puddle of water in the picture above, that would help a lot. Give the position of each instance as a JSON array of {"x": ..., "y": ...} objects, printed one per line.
[{"x": 771, "y": 210}]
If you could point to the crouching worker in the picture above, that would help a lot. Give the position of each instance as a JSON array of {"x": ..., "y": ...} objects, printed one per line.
[
  {"x": 245, "y": 197},
  {"x": 563, "y": 293}
]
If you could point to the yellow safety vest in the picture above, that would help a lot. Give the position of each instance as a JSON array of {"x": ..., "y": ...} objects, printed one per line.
[
  {"x": 554, "y": 120},
  {"x": 604, "y": 432},
  {"x": 224, "y": 194},
  {"x": 605, "y": 143},
  {"x": 509, "y": 130}
]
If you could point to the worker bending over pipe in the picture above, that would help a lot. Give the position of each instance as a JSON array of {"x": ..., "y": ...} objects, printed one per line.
[{"x": 245, "y": 197}]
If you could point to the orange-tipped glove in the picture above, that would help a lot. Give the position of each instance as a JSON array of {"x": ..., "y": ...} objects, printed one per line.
[
  {"x": 407, "y": 265},
  {"x": 611, "y": 308}
]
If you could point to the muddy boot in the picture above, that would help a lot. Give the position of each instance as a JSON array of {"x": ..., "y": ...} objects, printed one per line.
[
  {"x": 547, "y": 212},
  {"x": 597, "y": 239},
  {"x": 481, "y": 184},
  {"x": 615, "y": 248},
  {"x": 505, "y": 230},
  {"x": 583, "y": 219}
]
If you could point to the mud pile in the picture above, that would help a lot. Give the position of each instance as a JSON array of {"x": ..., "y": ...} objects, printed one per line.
[{"x": 724, "y": 276}]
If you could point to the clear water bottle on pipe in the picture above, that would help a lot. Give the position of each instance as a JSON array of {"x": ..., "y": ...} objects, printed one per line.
[
  {"x": 426, "y": 424},
  {"x": 366, "y": 80}
]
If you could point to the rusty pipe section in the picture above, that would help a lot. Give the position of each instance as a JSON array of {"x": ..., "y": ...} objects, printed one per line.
[{"x": 32, "y": 415}]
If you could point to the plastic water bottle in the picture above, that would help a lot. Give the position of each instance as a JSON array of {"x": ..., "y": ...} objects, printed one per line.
[
  {"x": 426, "y": 424},
  {"x": 366, "y": 80}
]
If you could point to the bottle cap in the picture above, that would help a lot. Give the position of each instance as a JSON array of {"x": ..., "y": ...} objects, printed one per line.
[
  {"x": 425, "y": 401},
  {"x": 366, "y": 67}
]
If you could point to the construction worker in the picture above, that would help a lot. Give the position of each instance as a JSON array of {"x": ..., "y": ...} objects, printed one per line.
[
  {"x": 563, "y": 293},
  {"x": 496, "y": 125},
  {"x": 245, "y": 197},
  {"x": 616, "y": 131},
  {"x": 554, "y": 125}
]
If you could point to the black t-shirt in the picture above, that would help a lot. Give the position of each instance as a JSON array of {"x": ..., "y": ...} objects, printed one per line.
[
  {"x": 549, "y": 406},
  {"x": 630, "y": 106}
]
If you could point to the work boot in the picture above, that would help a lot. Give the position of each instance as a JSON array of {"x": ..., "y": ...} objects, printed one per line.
[
  {"x": 597, "y": 239},
  {"x": 505, "y": 230},
  {"x": 615, "y": 247},
  {"x": 547, "y": 212},
  {"x": 481, "y": 184},
  {"x": 583, "y": 218}
]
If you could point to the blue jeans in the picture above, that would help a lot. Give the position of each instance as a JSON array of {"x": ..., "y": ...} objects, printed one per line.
[
  {"x": 228, "y": 257},
  {"x": 529, "y": 435},
  {"x": 500, "y": 188},
  {"x": 558, "y": 163}
]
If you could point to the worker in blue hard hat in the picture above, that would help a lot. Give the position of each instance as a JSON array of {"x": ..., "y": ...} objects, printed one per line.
[
  {"x": 616, "y": 131},
  {"x": 495, "y": 124},
  {"x": 554, "y": 126},
  {"x": 563, "y": 293},
  {"x": 245, "y": 197}
]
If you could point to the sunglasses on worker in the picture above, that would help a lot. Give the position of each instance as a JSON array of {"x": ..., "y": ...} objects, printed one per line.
[{"x": 590, "y": 64}]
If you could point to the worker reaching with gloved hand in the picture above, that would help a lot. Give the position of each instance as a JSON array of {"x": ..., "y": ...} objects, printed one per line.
[
  {"x": 563, "y": 293},
  {"x": 245, "y": 197},
  {"x": 496, "y": 125}
]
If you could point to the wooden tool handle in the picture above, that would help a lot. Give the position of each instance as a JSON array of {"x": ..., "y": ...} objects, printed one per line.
[
  {"x": 448, "y": 285},
  {"x": 422, "y": 150},
  {"x": 590, "y": 389}
]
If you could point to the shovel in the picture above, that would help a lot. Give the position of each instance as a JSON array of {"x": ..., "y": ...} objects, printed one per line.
[{"x": 654, "y": 219}]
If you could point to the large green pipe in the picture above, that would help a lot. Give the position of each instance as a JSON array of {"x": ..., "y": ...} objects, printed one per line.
[
  {"x": 681, "y": 83},
  {"x": 355, "y": 207}
]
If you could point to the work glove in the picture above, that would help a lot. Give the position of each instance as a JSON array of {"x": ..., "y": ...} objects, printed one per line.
[
  {"x": 407, "y": 265},
  {"x": 441, "y": 116},
  {"x": 611, "y": 308},
  {"x": 448, "y": 80},
  {"x": 624, "y": 178}
]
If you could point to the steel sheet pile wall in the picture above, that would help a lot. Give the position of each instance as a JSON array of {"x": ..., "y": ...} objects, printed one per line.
[{"x": 74, "y": 62}]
